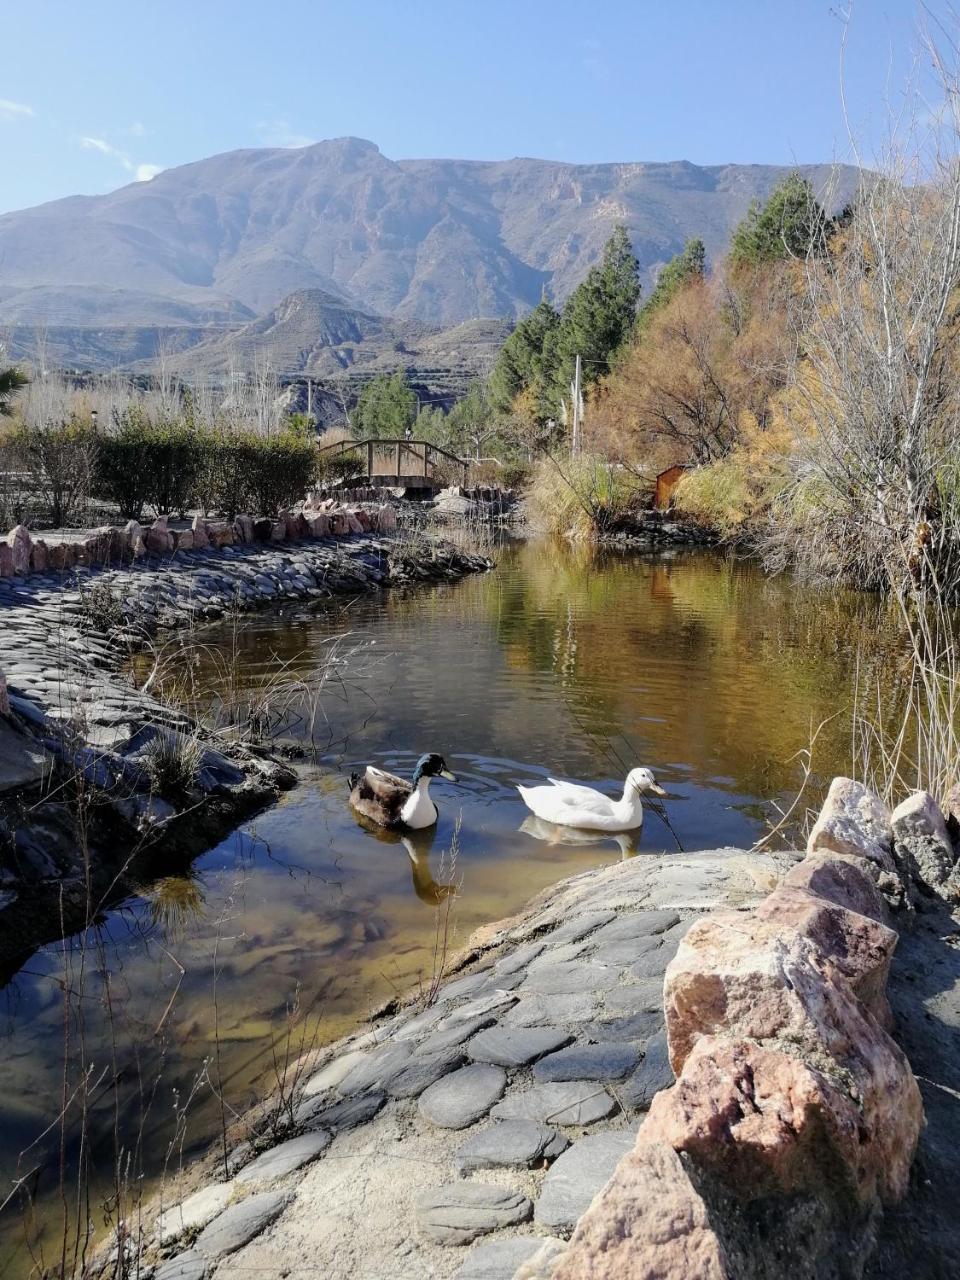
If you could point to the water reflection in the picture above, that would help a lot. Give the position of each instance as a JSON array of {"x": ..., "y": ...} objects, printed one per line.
[
  {"x": 418, "y": 845},
  {"x": 628, "y": 842}
]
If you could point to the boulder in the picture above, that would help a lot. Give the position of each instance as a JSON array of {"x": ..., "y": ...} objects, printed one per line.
[
  {"x": 353, "y": 524},
  {"x": 20, "y": 542},
  {"x": 132, "y": 539},
  {"x": 921, "y": 842},
  {"x": 38, "y": 556},
  {"x": 201, "y": 539},
  {"x": 363, "y": 517},
  {"x": 60, "y": 556},
  {"x": 278, "y": 530},
  {"x": 4, "y": 696},
  {"x": 183, "y": 539},
  {"x": 243, "y": 525},
  {"x": 386, "y": 518},
  {"x": 840, "y": 879},
  {"x": 319, "y": 525},
  {"x": 157, "y": 537},
  {"x": 339, "y": 524},
  {"x": 221, "y": 533},
  {"x": 262, "y": 529},
  {"x": 6, "y": 560},
  {"x": 853, "y": 821}
]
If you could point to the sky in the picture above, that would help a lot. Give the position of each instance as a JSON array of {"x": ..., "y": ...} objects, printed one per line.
[{"x": 99, "y": 94}]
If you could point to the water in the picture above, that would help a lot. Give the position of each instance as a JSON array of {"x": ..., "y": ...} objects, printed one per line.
[{"x": 559, "y": 662}]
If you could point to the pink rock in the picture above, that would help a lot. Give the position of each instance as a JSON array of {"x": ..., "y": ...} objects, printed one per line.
[
  {"x": 319, "y": 525},
  {"x": 200, "y": 538},
  {"x": 278, "y": 530},
  {"x": 339, "y": 525},
  {"x": 4, "y": 696},
  {"x": 20, "y": 542},
  {"x": 386, "y": 518},
  {"x": 6, "y": 560},
  {"x": 840, "y": 879},
  {"x": 132, "y": 540},
  {"x": 98, "y": 544},
  {"x": 263, "y": 529},
  {"x": 157, "y": 537},
  {"x": 853, "y": 821},
  {"x": 364, "y": 517},
  {"x": 183, "y": 539},
  {"x": 649, "y": 1223},
  {"x": 221, "y": 533},
  {"x": 353, "y": 524},
  {"x": 290, "y": 521},
  {"x": 61, "y": 556},
  {"x": 38, "y": 556}
]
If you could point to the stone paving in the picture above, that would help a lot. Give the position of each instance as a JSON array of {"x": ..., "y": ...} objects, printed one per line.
[{"x": 452, "y": 1141}]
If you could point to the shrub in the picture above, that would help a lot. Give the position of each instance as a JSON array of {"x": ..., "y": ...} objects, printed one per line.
[
  {"x": 172, "y": 763},
  {"x": 584, "y": 497},
  {"x": 59, "y": 461},
  {"x": 282, "y": 468},
  {"x": 124, "y": 460}
]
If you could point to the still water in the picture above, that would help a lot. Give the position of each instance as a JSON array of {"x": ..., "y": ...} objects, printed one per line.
[{"x": 561, "y": 662}]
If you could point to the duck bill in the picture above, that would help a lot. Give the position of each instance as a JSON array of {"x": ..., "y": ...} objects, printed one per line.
[
  {"x": 450, "y": 777},
  {"x": 657, "y": 791}
]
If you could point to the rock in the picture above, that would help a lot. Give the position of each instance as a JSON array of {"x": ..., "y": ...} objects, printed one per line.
[
  {"x": 457, "y": 1213},
  {"x": 519, "y": 957},
  {"x": 537, "y": 1011},
  {"x": 319, "y": 525},
  {"x": 182, "y": 539},
  {"x": 189, "y": 1265},
  {"x": 221, "y": 533},
  {"x": 285, "y": 1158},
  {"x": 329, "y": 1076},
  {"x": 38, "y": 556},
  {"x": 449, "y": 1037},
  {"x": 572, "y": 1102},
  {"x": 386, "y": 521},
  {"x": 577, "y": 928},
  {"x": 576, "y": 1177},
  {"x": 514, "y": 1047},
  {"x": 20, "y": 542},
  {"x": 4, "y": 696},
  {"x": 653, "y": 1074},
  {"x": 541, "y": 1265},
  {"x": 517, "y": 1142},
  {"x": 317, "y": 1113},
  {"x": 499, "y": 1259},
  {"x": 424, "y": 1070},
  {"x": 131, "y": 537},
  {"x": 363, "y": 518},
  {"x": 838, "y": 879},
  {"x": 263, "y": 529},
  {"x": 853, "y": 821},
  {"x": 463, "y": 1096},
  {"x": 61, "y": 556},
  {"x": 631, "y": 1026},
  {"x": 645, "y": 926},
  {"x": 610, "y": 1060},
  {"x": 6, "y": 560},
  {"x": 201, "y": 539},
  {"x": 23, "y": 762},
  {"x": 243, "y": 528},
  {"x": 339, "y": 525},
  {"x": 922, "y": 845},
  {"x": 194, "y": 1212},
  {"x": 378, "y": 1068},
  {"x": 649, "y": 1222},
  {"x": 568, "y": 976},
  {"x": 238, "y": 1225},
  {"x": 158, "y": 538}
]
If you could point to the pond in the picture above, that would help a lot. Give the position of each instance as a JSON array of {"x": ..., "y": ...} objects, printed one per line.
[{"x": 176, "y": 1009}]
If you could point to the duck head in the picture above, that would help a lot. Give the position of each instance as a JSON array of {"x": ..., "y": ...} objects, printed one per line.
[
  {"x": 432, "y": 766},
  {"x": 642, "y": 780}
]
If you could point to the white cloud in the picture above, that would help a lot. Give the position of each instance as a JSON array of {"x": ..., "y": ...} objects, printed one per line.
[
  {"x": 15, "y": 110},
  {"x": 136, "y": 130},
  {"x": 106, "y": 149},
  {"x": 280, "y": 133},
  {"x": 144, "y": 172}
]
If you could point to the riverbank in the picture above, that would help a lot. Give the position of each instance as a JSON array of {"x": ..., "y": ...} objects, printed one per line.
[
  {"x": 100, "y": 781},
  {"x": 533, "y": 1102}
]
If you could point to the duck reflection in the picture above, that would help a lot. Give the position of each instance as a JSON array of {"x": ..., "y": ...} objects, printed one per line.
[
  {"x": 628, "y": 842},
  {"x": 418, "y": 845}
]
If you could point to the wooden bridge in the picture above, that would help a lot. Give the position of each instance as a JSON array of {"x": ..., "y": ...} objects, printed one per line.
[{"x": 408, "y": 464}]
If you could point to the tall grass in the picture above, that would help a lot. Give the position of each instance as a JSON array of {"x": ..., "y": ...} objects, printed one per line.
[{"x": 583, "y": 498}]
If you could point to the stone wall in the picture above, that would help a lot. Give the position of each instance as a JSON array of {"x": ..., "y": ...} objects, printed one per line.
[{"x": 795, "y": 1116}]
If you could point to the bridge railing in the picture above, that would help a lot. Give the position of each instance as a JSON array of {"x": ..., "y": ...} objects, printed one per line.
[{"x": 400, "y": 460}]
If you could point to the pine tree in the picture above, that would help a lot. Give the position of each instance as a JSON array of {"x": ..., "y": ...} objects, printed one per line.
[
  {"x": 524, "y": 362},
  {"x": 11, "y": 380},
  {"x": 387, "y": 406},
  {"x": 689, "y": 264},
  {"x": 789, "y": 225}
]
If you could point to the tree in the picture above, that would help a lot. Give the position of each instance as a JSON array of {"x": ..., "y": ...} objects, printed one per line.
[
  {"x": 789, "y": 225},
  {"x": 387, "y": 406},
  {"x": 599, "y": 315},
  {"x": 11, "y": 380},
  {"x": 689, "y": 264},
  {"x": 471, "y": 422},
  {"x": 525, "y": 363}
]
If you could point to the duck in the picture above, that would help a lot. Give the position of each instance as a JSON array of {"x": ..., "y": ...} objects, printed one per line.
[
  {"x": 393, "y": 802},
  {"x": 567, "y": 804}
]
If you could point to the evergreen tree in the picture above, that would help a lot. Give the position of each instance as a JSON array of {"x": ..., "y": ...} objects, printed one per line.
[
  {"x": 789, "y": 225},
  {"x": 387, "y": 406},
  {"x": 689, "y": 264},
  {"x": 599, "y": 315},
  {"x": 11, "y": 380},
  {"x": 524, "y": 360}
]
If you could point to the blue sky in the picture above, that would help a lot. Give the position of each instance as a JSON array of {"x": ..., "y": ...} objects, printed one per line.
[{"x": 96, "y": 95}]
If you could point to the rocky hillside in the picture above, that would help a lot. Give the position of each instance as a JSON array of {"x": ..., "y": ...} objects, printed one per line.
[{"x": 440, "y": 241}]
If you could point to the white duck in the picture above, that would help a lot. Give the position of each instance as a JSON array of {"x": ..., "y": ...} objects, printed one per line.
[{"x": 569, "y": 805}]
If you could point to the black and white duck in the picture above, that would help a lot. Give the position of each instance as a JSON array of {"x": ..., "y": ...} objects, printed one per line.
[{"x": 393, "y": 802}]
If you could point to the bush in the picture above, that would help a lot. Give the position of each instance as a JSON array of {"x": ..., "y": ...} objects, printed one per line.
[
  {"x": 283, "y": 468},
  {"x": 124, "y": 461},
  {"x": 586, "y": 497},
  {"x": 59, "y": 462}
]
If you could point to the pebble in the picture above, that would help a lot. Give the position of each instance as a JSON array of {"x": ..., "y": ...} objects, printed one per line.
[
  {"x": 317, "y": 1113},
  {"x": 457, "y": 1213},
  {"x": 570, "y": 1102},
  {"x": 194, "y": 1212},
  {"x": 571, "y": 1183},
  {"x": 423, "y": 1071},
  {"x": 498, "y": 1259},
  {"x": 536, "y": 1010},
  {"x": 519, "y": 1142},
  {"x": 463, "y": 1096},
  {"x": 608, "y": 1060},
  {"x": 514, "y": 1047},
  {"x": 189, "y": 1265},
  {"x": 329, "y": 1077},
  {"x": 570, "y": 976}
]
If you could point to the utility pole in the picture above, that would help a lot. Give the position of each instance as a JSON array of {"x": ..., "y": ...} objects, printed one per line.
[
  {"x": 309, "y": 397},
  {"x": 575, "y": 442}
]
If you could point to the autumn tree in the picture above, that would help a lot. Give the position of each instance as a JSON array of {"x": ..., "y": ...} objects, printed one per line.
[{"x": 681, "y": 270}]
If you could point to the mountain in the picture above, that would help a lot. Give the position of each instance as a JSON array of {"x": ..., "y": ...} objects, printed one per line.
[{"x": 209, "y": 245}]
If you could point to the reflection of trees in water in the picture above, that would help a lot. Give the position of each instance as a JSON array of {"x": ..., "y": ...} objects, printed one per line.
[{"x": 701, "y": 658}]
